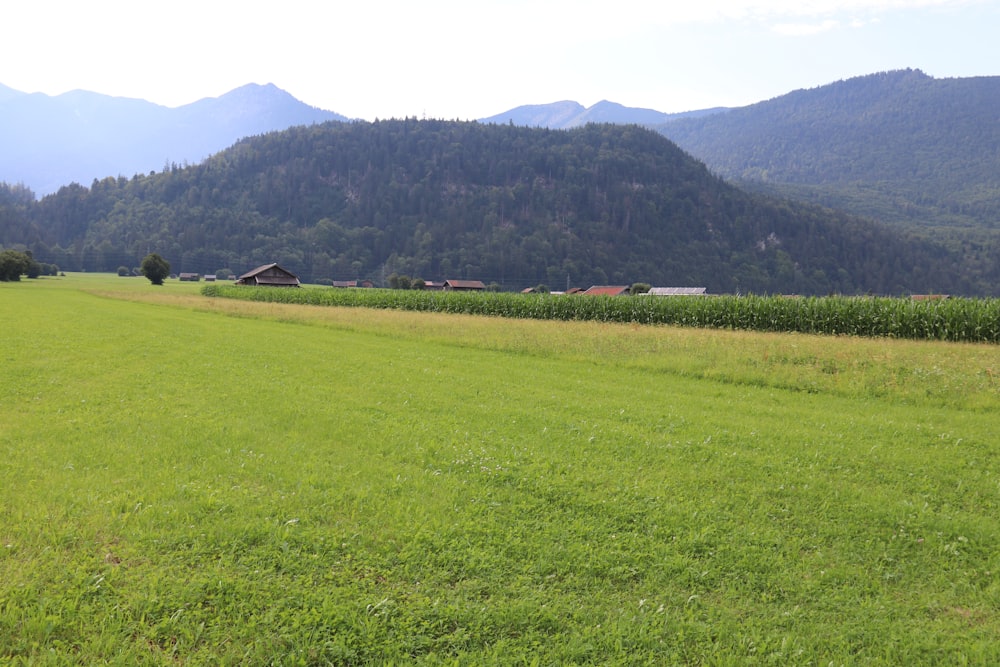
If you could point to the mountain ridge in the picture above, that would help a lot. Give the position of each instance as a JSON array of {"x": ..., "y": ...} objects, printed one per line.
[
  {"x": 567, "y": 114},
  {"x": 79, "y": 136}
]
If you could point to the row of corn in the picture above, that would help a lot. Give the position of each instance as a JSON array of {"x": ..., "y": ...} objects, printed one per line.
[{"x": 953, "y": 319}]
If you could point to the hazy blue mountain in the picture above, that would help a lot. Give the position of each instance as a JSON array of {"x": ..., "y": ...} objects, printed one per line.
[
  {"x": 567, "y": 114},
  {"x": 51, "y": 141},
  {"x": 8, "y": 93}
]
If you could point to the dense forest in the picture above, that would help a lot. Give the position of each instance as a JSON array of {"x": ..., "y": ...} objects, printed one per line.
[
  {"x": 515, "y": 206},
  {"x": 901, "y": 147}
]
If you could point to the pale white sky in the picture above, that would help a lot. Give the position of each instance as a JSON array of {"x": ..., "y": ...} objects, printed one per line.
[{"x": 470, "y": 59}]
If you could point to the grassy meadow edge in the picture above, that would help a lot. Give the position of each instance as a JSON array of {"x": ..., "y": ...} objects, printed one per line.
[{"x": 205, "y": 480}]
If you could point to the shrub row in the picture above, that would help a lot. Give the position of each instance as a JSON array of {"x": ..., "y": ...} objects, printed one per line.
[{"x": 965, "y": 320}]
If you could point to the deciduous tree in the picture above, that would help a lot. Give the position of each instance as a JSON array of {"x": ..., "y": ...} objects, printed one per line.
[{"x": 155, "y": 268}]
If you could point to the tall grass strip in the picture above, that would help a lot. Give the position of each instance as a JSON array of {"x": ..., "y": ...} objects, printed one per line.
[{"x": 957, "y": 320}]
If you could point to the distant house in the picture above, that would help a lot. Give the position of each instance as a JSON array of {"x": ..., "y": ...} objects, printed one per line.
[
  {"x": 607, "y": 290},
  {"x": 209, "y": 277},
  {"x": 676, "y": 291},
  {"x": 345, "y": 283},
  {"x": 929, "y": 297},
  {"x": 464, "y": 285},
  {"x": 434, "y": 286},
  {"x": 270, "y": 275},
  {"x": 189, "y": 277}
]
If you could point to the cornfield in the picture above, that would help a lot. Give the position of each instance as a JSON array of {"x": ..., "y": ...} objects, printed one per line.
[{"x": 955, "y": 319}]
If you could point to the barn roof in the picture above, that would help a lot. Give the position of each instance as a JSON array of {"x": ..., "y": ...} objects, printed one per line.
[
  {"x": 259, "y": 269},
  {"x": 607, "y": 290},
  {"x": 270, "y": 274},
  {"x": 465, "y": 284},
  {"x": 676, "y": 291}
]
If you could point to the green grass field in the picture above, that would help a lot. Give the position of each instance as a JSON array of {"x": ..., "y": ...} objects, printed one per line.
[{"x": 203, "y": 481}]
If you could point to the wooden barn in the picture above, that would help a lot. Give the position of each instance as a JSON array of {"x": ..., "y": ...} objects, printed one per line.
[
  {"x": 269, "y": 275},
  {"x": 464, "y": 285}
]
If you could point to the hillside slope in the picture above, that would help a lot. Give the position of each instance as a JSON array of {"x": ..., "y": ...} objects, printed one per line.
[{"x": 899, "y": 146}]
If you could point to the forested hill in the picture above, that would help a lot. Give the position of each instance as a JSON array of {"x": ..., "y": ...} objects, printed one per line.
[
  {"x": 443, "y": 200},
  {"x": 899, "y": 146}
]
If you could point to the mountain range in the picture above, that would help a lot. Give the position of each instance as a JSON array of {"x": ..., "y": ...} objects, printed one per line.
[
  {"x": 898, "y": 148},
  {"x": 515, "y": 206},
  {"x": 901, "y": 147},
  {"x": 51, "y": 141},
  {"x": 79, "y": 136}
]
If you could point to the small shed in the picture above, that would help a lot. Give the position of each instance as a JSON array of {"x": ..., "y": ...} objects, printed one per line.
[
  {"x": 209, "y": 277},
  {"x": 270, "y": 275},
  {"x": 189, "y": 277},
  {"x": 433, "y": 285},
  {"x": 607, "y": 290},
  {"x": 345, "y": 283},
  {"x": 464, "y": 285}
]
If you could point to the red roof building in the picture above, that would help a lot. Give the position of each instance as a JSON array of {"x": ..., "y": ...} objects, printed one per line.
[{"x": 607, "y": 290}]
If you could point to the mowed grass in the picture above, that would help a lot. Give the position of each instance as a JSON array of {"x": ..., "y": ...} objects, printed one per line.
[{"x": 184, "y": 480}]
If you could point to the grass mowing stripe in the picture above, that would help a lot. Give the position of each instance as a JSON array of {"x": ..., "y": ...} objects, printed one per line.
[{"x": 254, "y": 490}]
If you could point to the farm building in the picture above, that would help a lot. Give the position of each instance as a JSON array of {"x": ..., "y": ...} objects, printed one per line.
[
  {"x": 433, "y": 285},
  {"x": 209, "y": 277},
  {"x": 607, "y": 290},
  {"x": 676, "y": 291},
  {"x": 270, "y": 275},
  {"x": 345, "y": 283},
  {"x": 189, "y": 277},
  {"x": 464, "y": 285}
]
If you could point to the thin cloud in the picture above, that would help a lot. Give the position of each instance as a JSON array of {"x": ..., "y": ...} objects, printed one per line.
[
  {"x": 797, "y": 12},
  {"x": 805, "y": 29}
]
